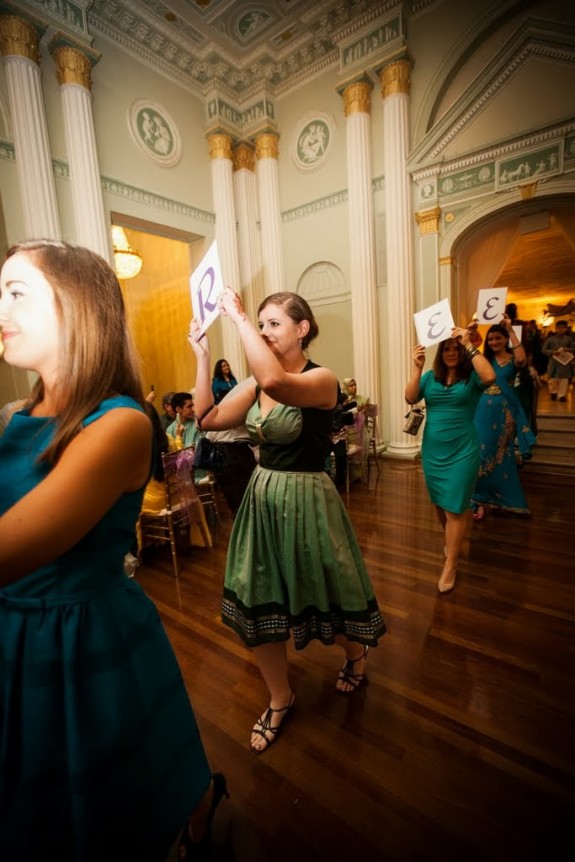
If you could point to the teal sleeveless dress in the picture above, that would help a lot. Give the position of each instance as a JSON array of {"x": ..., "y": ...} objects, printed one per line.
[
  {"x": 100, "y": 755},
  {"x": 293, "y": 561},
  {"x": 450, "y": 446}
]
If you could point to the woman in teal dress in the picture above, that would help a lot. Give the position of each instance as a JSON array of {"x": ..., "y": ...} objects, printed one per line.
[
  {"x": 502, "y": 424},
  {"x": 100, "y": 755},
  {"x": 450, "y": 446},
  {"x": 294, "y": 565}
]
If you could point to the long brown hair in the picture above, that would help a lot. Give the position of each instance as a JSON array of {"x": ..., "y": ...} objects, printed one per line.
[
  {"x": 97, "y": 357},
  {"x": 464, "y": 366},
  {"x": 297, "y": 308}
]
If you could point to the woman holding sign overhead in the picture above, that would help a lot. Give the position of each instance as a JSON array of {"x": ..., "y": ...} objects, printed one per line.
[
  {"x": 294, "y": 565},
  {"x": 500, "y": 420},
  {"x": 450, "y": 446}
]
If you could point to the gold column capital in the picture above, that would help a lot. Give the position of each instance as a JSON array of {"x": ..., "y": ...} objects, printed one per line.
[
  {"x": 243, "y": 157},
  {"x": 395, "y": 78},
  {"x": 357, "y": 98},
  {"x": 267, "y": 146},
  {"x": 18, "y": 38},
  {"x": 428, "y": 220},
  {"x": 220, "y": 146},
  {"x": 73, "y": 67}
]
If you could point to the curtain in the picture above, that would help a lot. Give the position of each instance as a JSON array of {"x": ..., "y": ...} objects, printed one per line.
[{"x": 481, "y": 264}]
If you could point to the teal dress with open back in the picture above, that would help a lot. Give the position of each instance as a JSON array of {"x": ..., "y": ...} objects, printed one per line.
[
  {"x": 293, "y": 562},
  {"x": 100, "y": 754}
]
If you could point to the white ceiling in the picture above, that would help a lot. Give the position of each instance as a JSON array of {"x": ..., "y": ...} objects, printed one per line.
[{"x": 234, "y": 45}]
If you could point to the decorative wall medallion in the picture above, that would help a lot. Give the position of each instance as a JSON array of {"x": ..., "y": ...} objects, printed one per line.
[
  {"x": 155, "y": 133},
  {"x": 313, "y": 139}
]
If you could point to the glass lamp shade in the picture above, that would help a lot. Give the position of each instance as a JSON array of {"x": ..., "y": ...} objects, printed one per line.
[{"x": 127, "y": 262}]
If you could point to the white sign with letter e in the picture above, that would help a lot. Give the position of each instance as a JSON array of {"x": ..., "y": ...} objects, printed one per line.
[
  {"x": 434, "y": 323},
  {"x": 206, "y": 284},
  {"x": 491, "y": 305}
]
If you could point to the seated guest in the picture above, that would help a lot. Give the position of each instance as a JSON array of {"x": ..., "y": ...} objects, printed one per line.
[
  {"x": 349, "y": 388},
  {"x": 155, "y": 496},
  {"x": 168, "y": 414},
  {"x": 223, "y": 380},
  {"x": 183, "y": 431}
]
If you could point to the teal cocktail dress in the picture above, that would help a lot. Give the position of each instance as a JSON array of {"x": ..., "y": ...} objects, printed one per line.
[
  {"x": 100, "y": 755},
  {"x": 450, "y": 447}
]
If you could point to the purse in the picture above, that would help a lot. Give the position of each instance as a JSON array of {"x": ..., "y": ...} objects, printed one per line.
[
  {"x": 413, "y": 420},
  {"x": 210, "y": 456}
]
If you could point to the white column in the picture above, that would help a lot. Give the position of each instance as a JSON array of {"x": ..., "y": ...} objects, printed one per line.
[
  {"x": 92, "y": 229},
  {"x": 226, "y": 238},
  {"x": 364, "y": 313},
  {"x": 270, "y": 213},
  {"x": 19, "y": 46},
  {"x": 248, "y": 235},
  {"x": 399, "y": 243}
]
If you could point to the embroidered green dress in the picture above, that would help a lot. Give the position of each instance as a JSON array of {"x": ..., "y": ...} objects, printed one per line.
[{"x": 293, "y": 562}]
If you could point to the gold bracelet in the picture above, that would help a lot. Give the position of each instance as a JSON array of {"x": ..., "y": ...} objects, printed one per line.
[{"x": 516, "y": 346}]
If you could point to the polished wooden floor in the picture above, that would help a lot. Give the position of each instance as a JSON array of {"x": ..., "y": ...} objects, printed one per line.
[{"x": 462, "y": 746}]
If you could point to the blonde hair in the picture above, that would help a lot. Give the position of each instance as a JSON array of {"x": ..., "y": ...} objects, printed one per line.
[{"x": 97, "y": 356}]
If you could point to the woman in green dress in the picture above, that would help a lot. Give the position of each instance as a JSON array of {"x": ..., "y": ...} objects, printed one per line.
[
  {"x": 294, "y": 565},
  {"x": 450, "y": 445}
]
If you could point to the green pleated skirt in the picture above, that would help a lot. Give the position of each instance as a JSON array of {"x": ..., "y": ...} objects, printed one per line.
[{"x": 294, "y": 565}]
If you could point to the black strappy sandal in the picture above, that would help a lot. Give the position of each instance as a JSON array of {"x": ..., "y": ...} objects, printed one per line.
[
  {"x": 347, "y": 675},
  {"x": 263, "y": 726}
]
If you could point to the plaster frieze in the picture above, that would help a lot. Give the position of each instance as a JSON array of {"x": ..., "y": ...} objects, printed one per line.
[
  {"x": 369, "y": 46},
  {"x": 542, "y": 155},
  {"x": 64, "y": 16}
]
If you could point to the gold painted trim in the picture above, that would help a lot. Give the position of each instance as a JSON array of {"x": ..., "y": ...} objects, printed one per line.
[
  {"x": 243, "y": 157},
  {"x": 267, "y": 146},
  {"x": 445, "y": 261},
  {"x": 18, "y": 38},
  {"x": 220, "y": 146},
  {"x": 73, "y": 67},
  {"x": 428, "y": 220},
  {"x": 395, "y": 78},
  {"x": 528, "y": 191},
  {"x": 357, "y": 98}
]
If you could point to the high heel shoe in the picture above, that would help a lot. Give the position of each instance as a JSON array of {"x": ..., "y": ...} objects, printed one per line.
[{"x": 189, "y": 849}]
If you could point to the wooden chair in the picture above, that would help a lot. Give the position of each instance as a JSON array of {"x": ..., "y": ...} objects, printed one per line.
[
  {"x": 184, "y": 508},
  {"x": 206, "y": 488}
]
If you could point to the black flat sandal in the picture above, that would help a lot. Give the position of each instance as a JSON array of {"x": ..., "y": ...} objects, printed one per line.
[
  {"x": 263, "y": 726},
  {"x": 347, "y": 675}
]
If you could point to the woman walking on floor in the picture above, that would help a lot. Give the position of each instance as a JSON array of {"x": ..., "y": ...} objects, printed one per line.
[
  {"x": 293, "y": 564},
  {"x": 501, "y": 423},
  {"x": 450, "y": 446}
]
